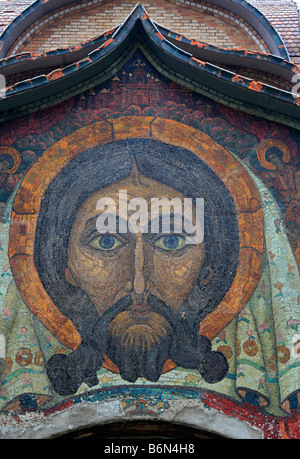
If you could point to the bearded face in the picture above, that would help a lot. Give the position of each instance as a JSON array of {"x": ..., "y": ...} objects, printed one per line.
[
  {"x": 108, "y": 267},
  {"x": 137, "y": 282}
]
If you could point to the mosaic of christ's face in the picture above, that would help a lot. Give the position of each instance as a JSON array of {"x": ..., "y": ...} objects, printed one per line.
[
  {"x": 137, "y": 298},
  {"x": 107, "y": 267}
]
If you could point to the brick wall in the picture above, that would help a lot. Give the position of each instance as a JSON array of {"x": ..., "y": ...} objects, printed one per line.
[{"x": 78, "y": 23}]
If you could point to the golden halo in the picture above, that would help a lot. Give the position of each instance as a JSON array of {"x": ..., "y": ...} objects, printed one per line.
[
  {"x": 28, "y": 200},
  {"x": 265, "y": 145},
  {"x": 15, "y": 155}
]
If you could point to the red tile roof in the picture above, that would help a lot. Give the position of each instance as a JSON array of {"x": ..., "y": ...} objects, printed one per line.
[{"x": 284, "y": 16}]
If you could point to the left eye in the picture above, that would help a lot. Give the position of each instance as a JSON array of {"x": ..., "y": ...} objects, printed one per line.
[
  {"x": 171, "y": 242},
  {"x": 106, "y": 242}
]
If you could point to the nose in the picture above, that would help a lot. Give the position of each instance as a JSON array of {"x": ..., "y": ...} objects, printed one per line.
[
  {"x": 140, "y": 284},
  {"x": 139, "y": 261}
]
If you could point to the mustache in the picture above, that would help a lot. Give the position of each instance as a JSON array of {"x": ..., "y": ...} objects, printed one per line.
[{"x": 185, "y": 347}]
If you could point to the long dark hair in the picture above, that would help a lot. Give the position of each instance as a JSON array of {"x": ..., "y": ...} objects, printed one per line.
[{"x": 95, "y": 169}]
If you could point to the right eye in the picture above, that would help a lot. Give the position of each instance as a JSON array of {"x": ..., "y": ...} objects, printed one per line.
[
  {"x": 106, "y": 242},
  {"x": 171, "y": 242}
]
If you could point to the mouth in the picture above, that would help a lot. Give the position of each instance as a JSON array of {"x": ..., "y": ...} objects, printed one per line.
[
  {"x": 145, "y": 306},
  {"x": 140, "y": 318},
  {"x": 140, "y": 311}
]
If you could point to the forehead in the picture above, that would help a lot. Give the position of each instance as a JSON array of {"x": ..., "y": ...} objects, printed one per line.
[{"x": 146, "y": 189}]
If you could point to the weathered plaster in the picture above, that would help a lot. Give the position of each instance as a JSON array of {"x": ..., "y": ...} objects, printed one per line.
[{"x": 86, "y": 414}]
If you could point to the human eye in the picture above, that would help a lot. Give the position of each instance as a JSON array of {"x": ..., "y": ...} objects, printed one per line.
[
  {"x": 105, "y": 242},
  {"x": 171, "y": 242}
]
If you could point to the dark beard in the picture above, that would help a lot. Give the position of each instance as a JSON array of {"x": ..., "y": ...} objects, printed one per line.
[{"x": 138, "y": 350}]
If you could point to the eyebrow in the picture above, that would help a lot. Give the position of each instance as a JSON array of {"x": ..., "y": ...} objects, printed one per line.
[
  {"x": 172, "y": 218},
  {"x": 90, "y": 228}
]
